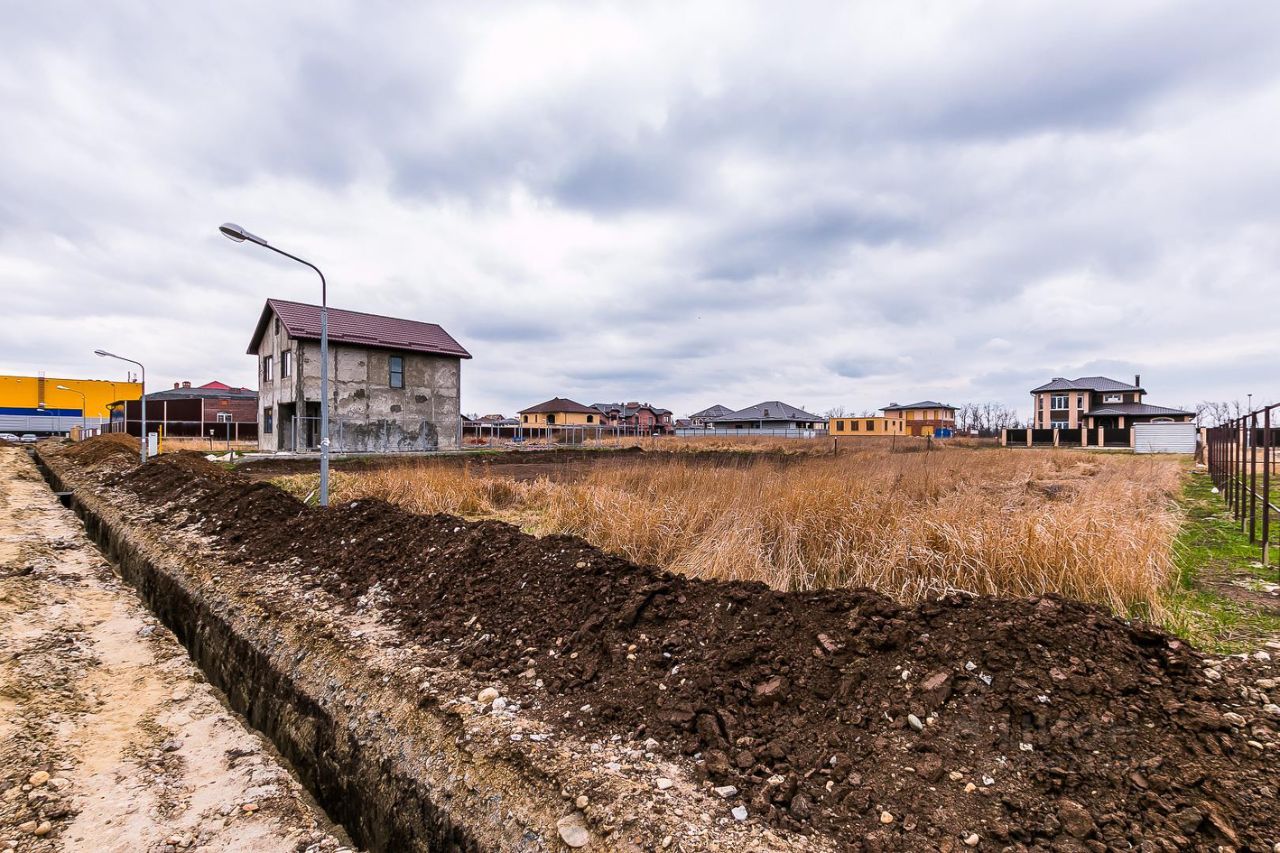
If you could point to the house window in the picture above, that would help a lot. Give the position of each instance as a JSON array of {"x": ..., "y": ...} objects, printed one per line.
[
  {"x": 591, "y": 419},
  {"x": 268, "y": 419},
  {"x": 286, "y": 364},
  {"x": 397, "y": 372},
  {"x": 266, "y": 368},
  {"x": 1058, "y": 425},
  {"x": 224, "y": 417},
  {"x": 1113, "y": 398},
  {"x": 551, "y": 419},
  {"x": 524, "y": 419},
  {"x": 277, "y": 327},
  {"x": 871, "y": 426},
  {"x": 1080, "y": 402},
  {"x": 853, "y": 426},
  {"x": 1059, "y": 401},
  {"x": 839, "y": 426}
]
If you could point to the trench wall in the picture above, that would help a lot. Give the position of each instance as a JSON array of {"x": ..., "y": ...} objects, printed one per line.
[{"x": 385, "y": 769}]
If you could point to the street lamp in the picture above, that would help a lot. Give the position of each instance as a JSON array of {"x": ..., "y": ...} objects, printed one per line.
[
  {"x": 142, "y": 401},
  {"x": 235, "y": 232},
  {"x": 83, "y": 405}
]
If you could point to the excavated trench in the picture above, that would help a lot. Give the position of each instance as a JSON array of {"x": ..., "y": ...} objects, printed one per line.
[{"x": 381, "y": 808}]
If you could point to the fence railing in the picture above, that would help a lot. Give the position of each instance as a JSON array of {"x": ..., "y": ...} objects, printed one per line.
[{"x": 1241, "y": 457}]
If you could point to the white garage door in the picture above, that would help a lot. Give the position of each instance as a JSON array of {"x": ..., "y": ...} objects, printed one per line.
[{"x": 1164, "y": 438}]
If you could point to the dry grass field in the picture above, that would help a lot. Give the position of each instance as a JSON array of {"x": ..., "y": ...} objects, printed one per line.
[{"x": 1094, "y": 527}]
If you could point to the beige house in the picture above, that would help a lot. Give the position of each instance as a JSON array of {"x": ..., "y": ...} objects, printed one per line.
[{"x": 559, "y": 411}]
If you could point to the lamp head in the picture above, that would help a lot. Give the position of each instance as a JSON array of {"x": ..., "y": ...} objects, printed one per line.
[
  {"x": 234, "y": 232},
  {"x": 101, "y": 353},
  {"x": 62, "y": 387}
]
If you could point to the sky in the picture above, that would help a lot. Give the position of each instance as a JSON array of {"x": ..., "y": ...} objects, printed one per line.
[{"x": 831, "y": 204}]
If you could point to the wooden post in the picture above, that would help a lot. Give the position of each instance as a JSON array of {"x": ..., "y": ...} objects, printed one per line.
[{"x": 1055, "y": 436}]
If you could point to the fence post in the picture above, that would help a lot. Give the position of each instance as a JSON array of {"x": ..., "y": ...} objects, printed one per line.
[
  {"x": 1055, "y": 436},
  {"x": 1266, "y": 486},
  {"x": 1004, "y": 438},
  {"x": 1028, "y": 436},
  {"x": 1101, "y": 440},
  {"x": 1253, "y": 476}
]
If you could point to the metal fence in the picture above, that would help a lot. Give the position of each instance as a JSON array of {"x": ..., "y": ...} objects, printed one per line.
[
  {"x": 723, "y": 432},
  {"x": 1241, "y": 456}
]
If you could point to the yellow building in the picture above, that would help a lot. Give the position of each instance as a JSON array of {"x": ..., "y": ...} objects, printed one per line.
[
  {"x": 560, "y": 412},
  {"x": 875, "y": 426},
  {"x": 40, "y": 396}
]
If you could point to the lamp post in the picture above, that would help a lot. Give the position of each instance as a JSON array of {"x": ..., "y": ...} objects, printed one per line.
[
  {"x": 235, "y": 232},
  {"x": 142, "y": 401},
  {"x": 83, "y": 405}
]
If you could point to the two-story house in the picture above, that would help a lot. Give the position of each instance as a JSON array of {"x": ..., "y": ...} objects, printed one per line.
[
  {"x": 640, "y": 417},
  {"x": 923, "y": 418},
  {"x": 394, "y": 384},
  {"x": 1097, "y": 401}
]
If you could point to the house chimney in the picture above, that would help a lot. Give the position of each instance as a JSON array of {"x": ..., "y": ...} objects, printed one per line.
[
  {"x": 186, "y": 384},
  {"x": 175, "y": 386},
  {"x": 1137, "y": 380}
]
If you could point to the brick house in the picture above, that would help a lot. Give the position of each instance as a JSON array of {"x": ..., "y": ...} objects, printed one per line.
[
  {"x": 1097, "y": 401},
  {"x": 643, "y": 418}
]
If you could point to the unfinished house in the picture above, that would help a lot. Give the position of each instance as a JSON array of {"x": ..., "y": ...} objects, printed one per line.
[{"x": 394, "y": 384}]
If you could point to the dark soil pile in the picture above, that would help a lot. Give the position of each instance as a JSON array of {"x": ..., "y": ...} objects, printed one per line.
[
  {"x": 109, "y": 447},
  {"x": 1036, "y": 724}
]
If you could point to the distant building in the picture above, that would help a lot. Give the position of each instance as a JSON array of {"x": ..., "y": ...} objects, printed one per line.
[
  {"x": 639, "y": 417},
  {"x": 865, "y": 426},
  {"x": 183, "y": 411},
  {"x": 559, "y": 411},
  {"x": 36, "y": 404},
  {"x": 709, "y": 414},
  {"x": 395, "y": 384},
  {"x": 923, "y": 418},
  {"x": 1097, "y": 401},
  {"x": 769, "y": 416}
]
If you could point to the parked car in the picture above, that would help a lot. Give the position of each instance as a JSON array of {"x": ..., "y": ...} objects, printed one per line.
[
  {"x": 29, "y": 438},
  {"x": 8, "y": 436}
]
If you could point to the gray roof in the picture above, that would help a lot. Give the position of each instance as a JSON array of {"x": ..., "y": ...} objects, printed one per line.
[
  {"x": 1086, "y": 383},
  {"x": 923, "y": 404},
  {"x": 712, "y": 412},
  {"x": 627, "y": 410},
  {"x": 1136, "y": 409},
  {"x": 770, "y": 410},
  {"x": 203, "y": 393}
]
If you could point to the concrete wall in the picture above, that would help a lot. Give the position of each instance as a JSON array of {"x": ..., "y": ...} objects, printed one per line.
[{"x": 365, "y": 413}]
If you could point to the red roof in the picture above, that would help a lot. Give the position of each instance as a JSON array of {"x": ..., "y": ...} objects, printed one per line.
[{"x": 302, "y": 321}]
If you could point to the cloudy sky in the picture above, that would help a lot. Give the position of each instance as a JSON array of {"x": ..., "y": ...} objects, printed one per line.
[{"x": 834, "y": 204}]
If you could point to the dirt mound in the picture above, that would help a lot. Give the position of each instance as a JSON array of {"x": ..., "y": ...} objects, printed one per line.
[
  {"x": 1033, "y": 723},
  {"x": 109, "y": 447}
]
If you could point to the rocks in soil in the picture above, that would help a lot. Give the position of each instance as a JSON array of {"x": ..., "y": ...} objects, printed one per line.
[{"x": 572, "y": 831}]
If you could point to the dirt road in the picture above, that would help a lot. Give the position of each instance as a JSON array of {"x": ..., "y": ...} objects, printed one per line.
[{"x": 110, "y": 739}]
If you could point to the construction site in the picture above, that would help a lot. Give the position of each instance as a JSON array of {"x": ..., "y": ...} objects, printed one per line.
[{"x": 204, "y": 661}]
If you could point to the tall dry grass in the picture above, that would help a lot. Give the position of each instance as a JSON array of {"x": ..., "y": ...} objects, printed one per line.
[
  {"x": 1093, "y": 527},
  {"x": 773, "y": 445}
]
